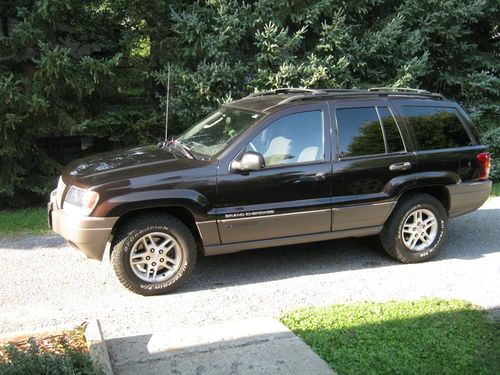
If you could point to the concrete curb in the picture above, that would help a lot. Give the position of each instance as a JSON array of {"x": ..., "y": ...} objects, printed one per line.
[
  {"x": 97, "y": 347},
  {"x": 251, "y": 346}
]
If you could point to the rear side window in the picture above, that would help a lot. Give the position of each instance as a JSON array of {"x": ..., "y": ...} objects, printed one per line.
[
  {"x": 437, "y": 127},
  {"x": 367, "y": 131},
  {"x": 360, "y": 132}
]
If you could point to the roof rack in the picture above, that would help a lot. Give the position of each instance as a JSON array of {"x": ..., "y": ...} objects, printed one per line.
[
  {"x": 301, "y": 90},
  {"x": 285, "y": 90},
  {"x": 310, "y": 94},
  {"x": 400, "y": 89},
  {"x": 406, "y": 90}
]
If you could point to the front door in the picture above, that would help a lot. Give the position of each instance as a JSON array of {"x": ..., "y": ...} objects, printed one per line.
[
  {"x": 373, "y": 162},
  {"x": 291, "y": 195}
]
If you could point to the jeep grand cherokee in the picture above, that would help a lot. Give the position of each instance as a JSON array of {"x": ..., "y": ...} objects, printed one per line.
[{"x": 279, "y": 167}]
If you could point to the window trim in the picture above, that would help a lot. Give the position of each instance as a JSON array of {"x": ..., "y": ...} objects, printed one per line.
[
  {"x": 399, "y": 130},
  {"x": 382, "y": 128}
]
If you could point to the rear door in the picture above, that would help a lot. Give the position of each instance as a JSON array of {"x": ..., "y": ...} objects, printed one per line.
[
  {"x": 372, "y": 162},
  {"x": 445, "y": 143}
]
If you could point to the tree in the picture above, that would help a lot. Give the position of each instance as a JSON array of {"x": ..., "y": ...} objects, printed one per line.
[{"x": 98, "y": 68}]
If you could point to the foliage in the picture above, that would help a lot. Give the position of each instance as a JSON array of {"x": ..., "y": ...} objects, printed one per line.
[
  {"x": 61, "y": 354},
  {"x": 429, "y": 336},
  {"x": 495, "y": 190},
  {"x": 27, "y": 220},
  {"x": 492, "y": 138},
  {"x": 99, "y": 67}
]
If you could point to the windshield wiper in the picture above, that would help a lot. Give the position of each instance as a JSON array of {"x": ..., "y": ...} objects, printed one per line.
[{"x": 183, "y": 148}]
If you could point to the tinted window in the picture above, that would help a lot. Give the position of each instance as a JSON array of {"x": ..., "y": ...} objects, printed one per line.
[
  {"x": 296, "y": 138},
  {"x": 436, "y": 127},
  {"x": 392, "y": 135},
  {"x": 359, "y": 132}
]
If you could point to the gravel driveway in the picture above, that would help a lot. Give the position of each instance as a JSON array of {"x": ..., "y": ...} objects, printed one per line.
[{"x": 43, "y": 282}]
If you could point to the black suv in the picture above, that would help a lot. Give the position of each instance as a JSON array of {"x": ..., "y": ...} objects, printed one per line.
[{"x": 275, "y": 168}]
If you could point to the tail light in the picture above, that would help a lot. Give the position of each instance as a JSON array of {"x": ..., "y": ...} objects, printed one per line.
[{"x": 484, "y": 165}]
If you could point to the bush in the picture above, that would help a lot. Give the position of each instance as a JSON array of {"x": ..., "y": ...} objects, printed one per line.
[
  {"x": 99, "y": 67},
  {"x": 491, "y": 137},
  {"x": 65, "y": 354}
]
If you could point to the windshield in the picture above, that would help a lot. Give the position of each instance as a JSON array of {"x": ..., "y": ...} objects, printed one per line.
[{"x": 214, "y": 133}]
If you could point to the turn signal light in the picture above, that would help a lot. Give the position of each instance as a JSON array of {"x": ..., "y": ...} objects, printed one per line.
[{"x": 484, "y": 165}]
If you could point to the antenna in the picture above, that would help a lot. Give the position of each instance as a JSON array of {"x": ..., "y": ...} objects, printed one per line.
[{"x": 166, "y": 109}]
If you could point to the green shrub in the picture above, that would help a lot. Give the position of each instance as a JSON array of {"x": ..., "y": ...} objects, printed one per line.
[
  {"x": 99, "y": 67},
  {"x": 34, "y": 359},
  {"x": 491, "y": 137}
]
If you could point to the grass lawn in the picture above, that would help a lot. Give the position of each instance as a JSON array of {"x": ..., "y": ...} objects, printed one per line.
[
  {"x": 495, "y": 191},
  {"x": 64, "y": 353},
  {"x": 27, "y": 220},
  {"x": 429, "y": 336}
]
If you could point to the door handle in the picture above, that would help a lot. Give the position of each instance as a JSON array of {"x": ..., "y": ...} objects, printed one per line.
[
  {"x": 400, "y": 166},
  {"x": 320, "y": 176},
  {"x": 314, "y": 178}
]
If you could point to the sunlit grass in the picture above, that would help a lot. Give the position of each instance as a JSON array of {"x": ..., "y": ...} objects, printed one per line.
[
  {"x": 24, "y": 221},
  {"x": 429, "y": 336},
  {"x": 495, "y": 190}
]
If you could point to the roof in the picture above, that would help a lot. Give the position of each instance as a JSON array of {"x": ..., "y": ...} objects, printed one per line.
[{"x": 269, "y": 101}]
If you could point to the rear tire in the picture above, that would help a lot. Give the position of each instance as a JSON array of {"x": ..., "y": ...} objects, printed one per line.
[
  {"x": 416, "y": 229},
  {"x": 153, "y": 254}
]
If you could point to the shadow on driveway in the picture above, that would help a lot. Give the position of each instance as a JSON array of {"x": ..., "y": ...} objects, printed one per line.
[{"x": 469, "y": 237}]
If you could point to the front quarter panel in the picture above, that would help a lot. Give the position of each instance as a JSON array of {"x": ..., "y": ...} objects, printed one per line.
[{"x": 192, "y": 188}]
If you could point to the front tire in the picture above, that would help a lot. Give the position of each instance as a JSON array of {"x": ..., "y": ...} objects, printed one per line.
[
  {"x": 153, "y": 254},
  {"x": 416, "y": 230}
]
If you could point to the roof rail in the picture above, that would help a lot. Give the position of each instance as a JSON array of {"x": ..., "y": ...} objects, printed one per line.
[
  {"x": 403, "y": 90},
  {"x": 400, "y": 89},
  {"x": 311, "y": 94},
  {"x": 323, "y": 94},
  {"x": 286, "y": 90}
]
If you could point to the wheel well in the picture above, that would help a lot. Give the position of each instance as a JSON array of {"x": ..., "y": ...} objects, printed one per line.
[
  {"x": 180, "y": 213},
  {"x": 438, "y": 192}
]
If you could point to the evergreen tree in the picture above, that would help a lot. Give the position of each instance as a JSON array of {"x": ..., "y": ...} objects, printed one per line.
[{"x": 99, "y": 68}]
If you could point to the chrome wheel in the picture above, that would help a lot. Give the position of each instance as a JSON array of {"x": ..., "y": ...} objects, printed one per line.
[
  {"x": 419, "y": 230},
  {"x": 155, "y": 257}
]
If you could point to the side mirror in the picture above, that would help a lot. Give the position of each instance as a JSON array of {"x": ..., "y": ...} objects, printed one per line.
[{"x": 249, "y": 161}]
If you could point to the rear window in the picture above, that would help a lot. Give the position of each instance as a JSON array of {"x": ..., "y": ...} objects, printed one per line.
[{"x": 437, "y": 127}]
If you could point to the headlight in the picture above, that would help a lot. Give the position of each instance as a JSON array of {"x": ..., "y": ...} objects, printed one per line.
[{"x": 80, "y": 201}]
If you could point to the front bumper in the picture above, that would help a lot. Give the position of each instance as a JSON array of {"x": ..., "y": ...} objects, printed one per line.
[{"x": 88, "y": 234}]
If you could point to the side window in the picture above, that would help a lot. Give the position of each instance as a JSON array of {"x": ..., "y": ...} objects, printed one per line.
[
  {"x": 295, "y": 138},
  {"x": 436, "y": 127},
  {"x": 359, "y": 132},
  {"x": 392, "y": 135}
]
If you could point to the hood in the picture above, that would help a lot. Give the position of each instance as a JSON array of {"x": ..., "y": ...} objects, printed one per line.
[{"x": 124, "y": 164}]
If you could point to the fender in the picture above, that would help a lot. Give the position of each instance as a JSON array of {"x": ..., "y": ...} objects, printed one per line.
[
  {"x": 194, "y": 201},
  {"x": 428, "y": 179}
]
